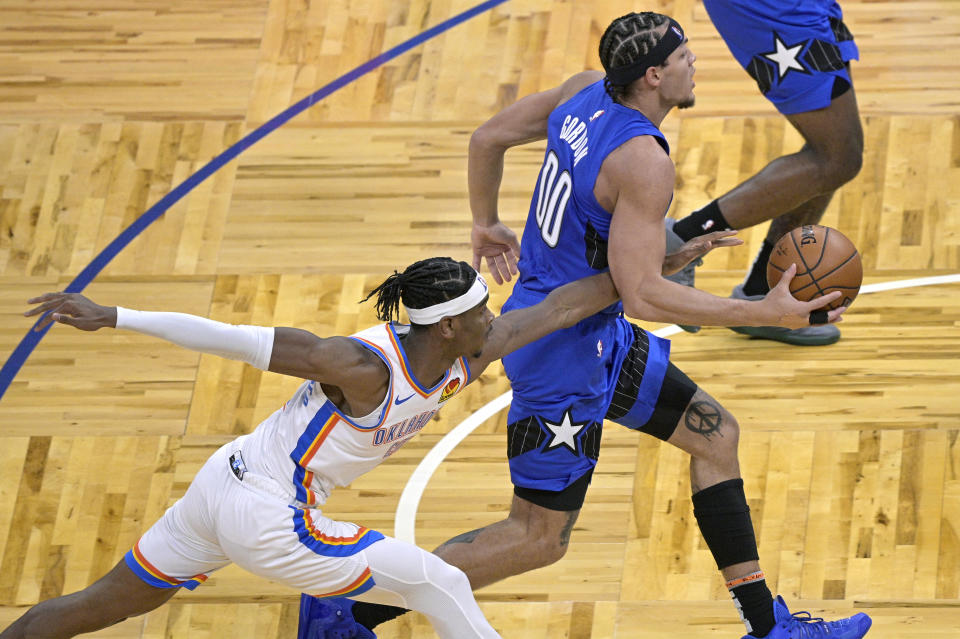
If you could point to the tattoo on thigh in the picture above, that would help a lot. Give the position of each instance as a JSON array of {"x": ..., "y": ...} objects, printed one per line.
[
  {"x": 704, "y": 417},
  {"x": 568, "y": 527},
  {"x": 464, "y": 538}
]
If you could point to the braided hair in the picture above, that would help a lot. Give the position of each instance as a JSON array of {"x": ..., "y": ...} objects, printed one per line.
[
  {"x": 626, "y": 40},
  {"x": 422, "y": 284}
]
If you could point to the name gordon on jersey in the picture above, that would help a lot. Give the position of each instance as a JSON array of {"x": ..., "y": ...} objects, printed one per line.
[
  {"x": 400, "y": 430},
  {"x": 574, "y": 133}
]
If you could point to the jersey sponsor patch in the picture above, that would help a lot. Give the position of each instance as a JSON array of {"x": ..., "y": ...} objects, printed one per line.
[{"x": 450, "y": 389}]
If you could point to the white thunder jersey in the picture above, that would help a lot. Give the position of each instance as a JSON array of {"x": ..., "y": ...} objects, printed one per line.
[{"x": 310, "y": 445}]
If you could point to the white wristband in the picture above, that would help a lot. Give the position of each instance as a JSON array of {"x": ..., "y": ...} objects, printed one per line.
[{"x": 250, "y": 344}]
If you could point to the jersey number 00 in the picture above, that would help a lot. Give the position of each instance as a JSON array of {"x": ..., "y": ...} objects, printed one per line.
[{"x": 552, "y": 196}]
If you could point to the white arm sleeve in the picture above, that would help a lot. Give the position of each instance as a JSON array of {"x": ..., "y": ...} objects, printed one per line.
[{"x": 250, "y": 344}]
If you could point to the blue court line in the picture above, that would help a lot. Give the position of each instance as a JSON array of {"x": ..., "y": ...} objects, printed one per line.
[{"x": 12, "y": 366}]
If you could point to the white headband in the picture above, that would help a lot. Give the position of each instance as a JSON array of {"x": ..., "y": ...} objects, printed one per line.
[{"x": 433, "y": 314}]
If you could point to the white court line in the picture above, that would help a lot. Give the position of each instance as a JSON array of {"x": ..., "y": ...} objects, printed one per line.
[
  {"x": 920, "y": 281},
  {"x": 405, "y": 519}
]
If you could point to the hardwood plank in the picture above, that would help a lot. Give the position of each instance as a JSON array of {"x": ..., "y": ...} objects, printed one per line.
[{"x": 849, "y": 453}]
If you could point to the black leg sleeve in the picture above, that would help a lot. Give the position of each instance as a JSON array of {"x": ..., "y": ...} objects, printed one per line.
[{"x": 724, "y": 519}]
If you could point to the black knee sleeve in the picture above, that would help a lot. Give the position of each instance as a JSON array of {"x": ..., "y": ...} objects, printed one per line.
[
  {"x": 724, "y": 519},
  {"x": 370, "y": 615}
]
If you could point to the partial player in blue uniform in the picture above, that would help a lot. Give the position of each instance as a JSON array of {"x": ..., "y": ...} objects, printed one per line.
[
  {"x": 799, "y": 54},
  {"x": 599, "y": 203}
]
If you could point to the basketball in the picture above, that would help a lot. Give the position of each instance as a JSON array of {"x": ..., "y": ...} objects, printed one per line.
[{"x": 826, "y": 262}]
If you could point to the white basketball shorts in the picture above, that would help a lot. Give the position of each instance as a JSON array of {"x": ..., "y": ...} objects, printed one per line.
[{"x": 224, "y": 518}]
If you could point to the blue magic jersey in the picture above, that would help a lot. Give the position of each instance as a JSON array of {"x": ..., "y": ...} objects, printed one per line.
[
  {"x": 563, "y": 383},
  {"x": 565, "y": 237}
]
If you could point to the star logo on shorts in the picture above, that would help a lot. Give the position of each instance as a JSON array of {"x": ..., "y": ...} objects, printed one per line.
[
  {"x": 786, "y": 56},
  {"x": 565, "y": 433}
]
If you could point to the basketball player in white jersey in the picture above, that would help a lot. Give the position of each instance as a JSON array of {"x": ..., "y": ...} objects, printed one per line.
[{"x": 256, "y": 500}]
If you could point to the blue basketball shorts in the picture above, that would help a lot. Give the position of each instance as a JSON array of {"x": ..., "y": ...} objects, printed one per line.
[
  {"x": 567, "y": 383},
  {"x": 796, "y": 50}
]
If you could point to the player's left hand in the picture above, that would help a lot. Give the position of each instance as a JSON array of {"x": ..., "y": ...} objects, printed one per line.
[
  {"x": 73, "y": 309},
  {"x": 698, "y": 247},
  {"x": 499, "y": 245}
]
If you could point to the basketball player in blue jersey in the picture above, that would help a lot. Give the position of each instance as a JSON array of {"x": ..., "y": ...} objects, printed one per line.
[
  {"x": 599, "y": 203},
  {"x": 799, "y": 54},
  {"x": 256, "y": 500}
]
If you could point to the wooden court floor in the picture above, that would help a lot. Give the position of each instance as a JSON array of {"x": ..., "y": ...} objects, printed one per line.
[{"x": 850, "y": 453}]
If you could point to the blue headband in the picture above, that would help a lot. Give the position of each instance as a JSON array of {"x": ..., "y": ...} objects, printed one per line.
[{"x": 626, "y": 74}]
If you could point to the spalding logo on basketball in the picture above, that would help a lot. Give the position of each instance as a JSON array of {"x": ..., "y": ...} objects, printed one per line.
[{"x": 826, "y": 262}]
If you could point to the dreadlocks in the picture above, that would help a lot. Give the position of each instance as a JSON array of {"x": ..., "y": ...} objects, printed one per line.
[
  {"x": 626, "y": 40},
  {"x": 422, "y": 284}
]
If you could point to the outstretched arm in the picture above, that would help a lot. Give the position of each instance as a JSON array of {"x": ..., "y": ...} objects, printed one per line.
[
  {"x": 337, "y": 361},
  {"x": 563, "y": 307},
  {"x": 521, "y": 122}
]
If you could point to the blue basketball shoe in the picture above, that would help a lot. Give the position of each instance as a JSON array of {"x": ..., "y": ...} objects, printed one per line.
[
  {"x": 329, "y": 619},
  {"x": 800, "y": 625}
]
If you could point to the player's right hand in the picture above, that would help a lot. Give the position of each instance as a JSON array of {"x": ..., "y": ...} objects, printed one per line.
[
  {"x": 499, "y": 245},
  {"x": 73, "y": 309},
  {"x": 698, "y": 247},
  {"x": 793, "y": 313}
]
